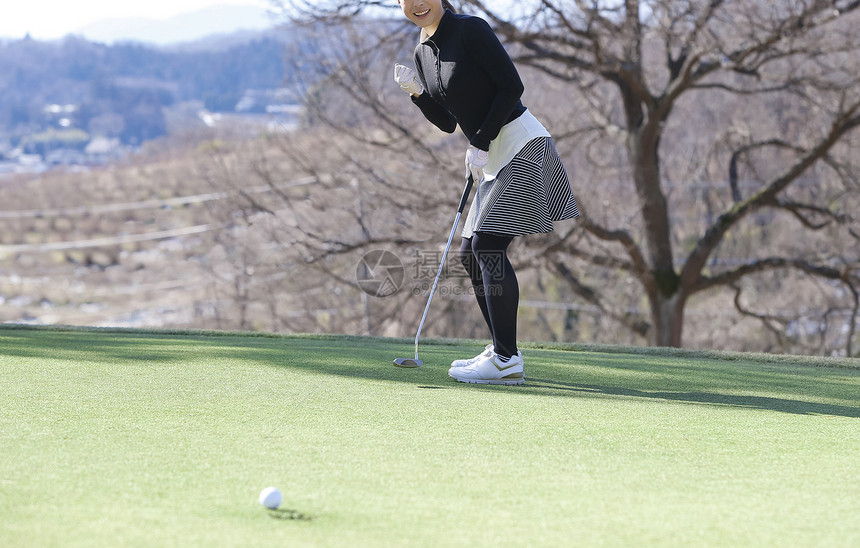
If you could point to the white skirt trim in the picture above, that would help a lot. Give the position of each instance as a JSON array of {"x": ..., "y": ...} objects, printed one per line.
[{"x": 510, "y": 140}]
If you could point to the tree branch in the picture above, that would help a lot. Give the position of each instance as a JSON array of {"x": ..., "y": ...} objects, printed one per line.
[
  {"x": 590, "y": 295},
  {"x": 638, "y": 264},
  {"x": 745, "y": 150},
  {"x": 844, "y": 275},
  {"x": 797, "y": 209},
  {"x": 696, "y": 261},
  {"x": 766, "y": 320}
]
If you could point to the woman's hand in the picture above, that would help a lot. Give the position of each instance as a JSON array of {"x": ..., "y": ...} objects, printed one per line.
[
  {"x": 405, "y": 76},
  {"x": 476, "y": 159}
]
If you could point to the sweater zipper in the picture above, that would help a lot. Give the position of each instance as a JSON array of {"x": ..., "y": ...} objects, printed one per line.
[{"x": 435, "y": 49}]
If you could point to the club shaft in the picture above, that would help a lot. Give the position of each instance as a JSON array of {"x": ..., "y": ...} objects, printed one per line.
[
  {"x": 463, "y": 200},
  {"x": 436, "y": 280}
]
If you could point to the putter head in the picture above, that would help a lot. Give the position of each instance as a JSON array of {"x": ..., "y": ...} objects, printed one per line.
[{"x": 408, "y": 362}]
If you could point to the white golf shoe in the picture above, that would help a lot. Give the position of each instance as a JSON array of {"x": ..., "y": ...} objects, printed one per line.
[
  {"x": 491, "y": 370},
  {"x": 488, "y": 350}
]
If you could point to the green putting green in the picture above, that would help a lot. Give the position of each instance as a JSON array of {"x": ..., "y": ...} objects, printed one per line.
[{"x": 134, "y": 438}]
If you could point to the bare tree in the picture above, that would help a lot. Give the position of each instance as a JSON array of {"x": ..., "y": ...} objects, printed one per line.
[{"x": 747, "y": 108}]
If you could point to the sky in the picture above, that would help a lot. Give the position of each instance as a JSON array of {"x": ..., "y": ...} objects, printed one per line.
[{"x": 50, "y": 19}]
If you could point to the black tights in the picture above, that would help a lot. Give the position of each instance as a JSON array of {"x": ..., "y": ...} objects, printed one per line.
[{"x": 493, "y": 278}]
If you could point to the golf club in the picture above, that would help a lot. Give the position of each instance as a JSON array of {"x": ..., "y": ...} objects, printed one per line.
[{"x": 409, "y": 362}]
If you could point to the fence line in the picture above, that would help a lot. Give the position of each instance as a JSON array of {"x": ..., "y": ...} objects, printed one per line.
[
  {"x": 145, "y": 204},
  {"x": 108, "y": 241}
]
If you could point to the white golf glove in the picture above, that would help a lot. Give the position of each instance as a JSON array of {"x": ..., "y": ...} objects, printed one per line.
[
  {"x": 405, "y": 76},
  {"x": 476, "y": 159}
]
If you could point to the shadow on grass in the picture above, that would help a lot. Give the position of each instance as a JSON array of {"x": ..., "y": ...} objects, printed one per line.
[
  {"x": 752, "y": 402},
  {"x": 695, "y": 381},
  {"x": 286, "y": 514}
]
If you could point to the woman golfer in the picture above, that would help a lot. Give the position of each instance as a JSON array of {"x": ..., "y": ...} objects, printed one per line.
[{"x": 465, "y": 77}]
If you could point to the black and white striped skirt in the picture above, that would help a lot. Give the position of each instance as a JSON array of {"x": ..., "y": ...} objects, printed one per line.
[{"x": 526, "y": 197}]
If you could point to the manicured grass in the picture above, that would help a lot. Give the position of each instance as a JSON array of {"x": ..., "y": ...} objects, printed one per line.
[{"x": 165, "y": 439}]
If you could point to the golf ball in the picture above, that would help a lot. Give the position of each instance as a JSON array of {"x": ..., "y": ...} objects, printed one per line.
[{"x": 270, "y": 497}]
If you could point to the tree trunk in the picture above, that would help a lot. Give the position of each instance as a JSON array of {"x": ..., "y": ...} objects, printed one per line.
[
  {"x": 664, "y": 295},
  {"x": 667, "y": 319}
]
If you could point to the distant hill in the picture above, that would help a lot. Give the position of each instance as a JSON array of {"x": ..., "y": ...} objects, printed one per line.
[
  {"x": 188, "y": 27},
  {"x": 122, "y": 90}
]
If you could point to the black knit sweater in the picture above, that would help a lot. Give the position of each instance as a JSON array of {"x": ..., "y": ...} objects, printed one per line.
[{"x": 468, "y": 78}]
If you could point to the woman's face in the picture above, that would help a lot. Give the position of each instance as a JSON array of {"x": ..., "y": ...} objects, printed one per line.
[{"x": 424, "y": 13}]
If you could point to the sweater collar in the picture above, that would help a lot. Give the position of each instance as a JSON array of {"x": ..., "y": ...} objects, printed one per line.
[{"x": 441, "y": 28}]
